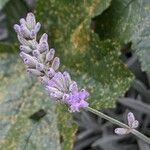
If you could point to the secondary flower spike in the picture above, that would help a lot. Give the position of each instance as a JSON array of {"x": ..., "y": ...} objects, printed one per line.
[
  {"x": 132, "y": 123},
  {"x": 41, "y": 62}
]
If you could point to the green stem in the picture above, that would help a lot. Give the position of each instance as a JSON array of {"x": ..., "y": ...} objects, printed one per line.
[
  {"x": 114, "y": 121},
  {"x": 141, "y": 136}
]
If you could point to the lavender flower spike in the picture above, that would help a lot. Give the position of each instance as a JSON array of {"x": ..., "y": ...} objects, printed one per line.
[
  {"x": 42, "y": 63},
  {"x": 61, "y": 89},
  {"x": 36, "y": 55}
]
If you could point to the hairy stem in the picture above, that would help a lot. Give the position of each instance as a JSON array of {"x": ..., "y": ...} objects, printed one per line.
[{"x": 114, "y": 121}]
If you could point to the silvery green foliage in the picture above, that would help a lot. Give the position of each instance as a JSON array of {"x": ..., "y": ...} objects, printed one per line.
[{"x": 40, "y": 62}]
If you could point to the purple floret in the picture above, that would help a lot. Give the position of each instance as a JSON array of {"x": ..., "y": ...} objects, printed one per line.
[{"x": 59, "y": 89}]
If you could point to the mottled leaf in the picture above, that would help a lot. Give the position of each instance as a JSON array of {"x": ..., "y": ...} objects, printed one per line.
[
  {"x": 20, "y": 98},
  {"x": 95, "y": 65},
  {"x": 97, "y": 62},
  {"x": 128, "y": 20}
]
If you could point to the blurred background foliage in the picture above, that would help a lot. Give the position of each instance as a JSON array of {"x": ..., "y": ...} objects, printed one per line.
[{"x": 103, "y": 44}]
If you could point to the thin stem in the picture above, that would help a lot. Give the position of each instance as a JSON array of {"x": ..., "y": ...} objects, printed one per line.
[
  {"x": 141, "y": 136},
  {"x": 114, "y": 121}
]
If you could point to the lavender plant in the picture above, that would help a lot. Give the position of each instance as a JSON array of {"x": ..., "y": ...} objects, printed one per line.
[{"x": 42, "y": 63}]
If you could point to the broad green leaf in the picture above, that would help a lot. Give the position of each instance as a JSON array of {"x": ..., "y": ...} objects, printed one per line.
[
  {"x": 19, "y": 99},
  {"x": 97, "y": 62},
  {"x": 128, "y": 20},
  {"x": 95, "y": 65},
  {"x": 3, "y": 3}
]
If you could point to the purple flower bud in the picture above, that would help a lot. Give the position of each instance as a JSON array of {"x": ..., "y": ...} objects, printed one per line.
[
  {"x": 77, "y": 98},
  {"x": 23, "y": 55},
  {"x": 60, "y": 81},
  {"x": 52, "y": 84},
  {"x": 56, "y": 82},
  {"x": 130, "y": 118},
  {"x": 57, "y": 95},
  {"x": 30, "y": 19},
  {"x": 28, "y": 60},
  {"x": 50, "y": 55},
  {"x": 67, "y": 78},
  {"x": 24, "y": 31},
  {"x": 17, "y": 29},
  {"x": 40, "y": 66},
  {"x": 22, "y": 21},
  {"x": 23, "y": 41},
  {"x": 84, "y": 94},
  {"x": 73, "y": 87},
  {"x": 29, "y": 63},
  {"x": 44, "y": 80},
  {"x": 54, "y": 92},
  {"x": 25, "y": 49},
  {"x": 32, "y": 34},
  {"x": 121, "y": 131},
  {"x": 51, "y": 72},
  {"x": 36, "y": 53},
  {"x": 56, "y": 63},
  {"x": 135, "y": 124},
  {"x": 44, "y": 38},
  {"x": 75, "y": 107},
  {"x": 42, "y": 47},
  {"x": 34, "y": 72},
  {"x": 37, "y": 27},
  {"x": 53, "y": 89}
]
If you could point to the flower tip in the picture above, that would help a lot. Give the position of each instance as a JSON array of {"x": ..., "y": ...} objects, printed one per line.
[
  {"x": 16, "y": 28},
  {"x": 30, "y": 14},
  {"x": 22, "y": 54},
  {"x": 130, "y": 114},
  {"x": 37, "y": 27},
  {"x": 44, "y": 37},
  {"x": 135, "y": 124},
  {"x": 121, "y": 131}
]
